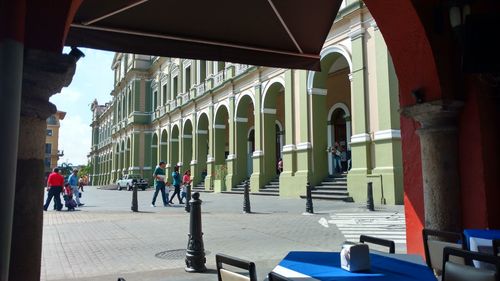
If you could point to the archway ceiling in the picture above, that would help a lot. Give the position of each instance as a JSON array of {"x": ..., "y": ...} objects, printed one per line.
[{"x": 261, "y": 32}]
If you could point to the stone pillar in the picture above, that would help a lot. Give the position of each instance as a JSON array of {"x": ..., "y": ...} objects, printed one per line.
[
  {"x": 11, "y": 73},
  {"x": 303, "y": 134},
  {"x": 44, "y": 74},
  {"x": 317, "y": 109},
  {"x": 388, "y": 188},
  {"x": 439, "y": 153},
  {"x": 360, "y": 139},
  {"x": 289, "y": 153},
  {"x": 211, "y": 150},
  {"x": 231, "y": 176},
  {"x": 257, "y": 178}
]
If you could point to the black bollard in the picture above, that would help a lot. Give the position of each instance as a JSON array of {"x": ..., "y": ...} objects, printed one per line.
[
  {"x": 195, "y": 255},
  {"x": 309, "y": 201},
  {"x": 134, "y": 207},
  {"x": 369, "y": 201},
  {"x": 246, "y": 199},
  {"x": 188, "y": 198}
]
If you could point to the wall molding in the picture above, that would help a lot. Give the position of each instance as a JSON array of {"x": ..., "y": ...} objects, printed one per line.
[
  {"x": 360, "y": 138},
  {"x": 268, "y": 110},
  {"x": 317, "y": 91},
  {"x": 304, "y": 146},
  {"x": 387, "y": 134}
]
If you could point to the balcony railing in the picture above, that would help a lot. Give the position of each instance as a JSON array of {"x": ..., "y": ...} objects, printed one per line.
[
  {"x": 200, "y": 89},
  {"x": 240, "y": 68},
  {"x": 219, "y": 78}
]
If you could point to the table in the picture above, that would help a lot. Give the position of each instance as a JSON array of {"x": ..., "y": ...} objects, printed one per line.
[
  {"x": 325, "y": 266},
  {"x": 480, "y": 240}
]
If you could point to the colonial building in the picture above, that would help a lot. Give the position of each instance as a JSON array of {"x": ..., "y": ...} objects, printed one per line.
[
  {"x": 228, "y": 122},
  {"x": 52, "y": 152}
]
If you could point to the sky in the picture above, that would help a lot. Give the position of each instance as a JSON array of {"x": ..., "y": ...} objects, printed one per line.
[{"x": 93, "y": 79}]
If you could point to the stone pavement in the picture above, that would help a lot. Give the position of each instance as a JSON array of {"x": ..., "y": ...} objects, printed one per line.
[{"x": 104, "y": 240}]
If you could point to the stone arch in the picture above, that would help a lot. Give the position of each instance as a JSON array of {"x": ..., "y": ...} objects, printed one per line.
[
  {"x": 244, "y": 119},
  {"x": 174, "y": 145},
  {"x": 202, "y": 144},
  {"x": 271, "y": 86},
  {"x": 327, "y": 52},
  {"x": 128, "y": 154},
  {"x": 243, "y": 98},
  {"x": 273, "y": 107},
  {"x": 187, "y": 144},
  {"x": 164, "y": 146},
  {"x": 221, "y": 134},
  {"x": 154, "y": 150}
]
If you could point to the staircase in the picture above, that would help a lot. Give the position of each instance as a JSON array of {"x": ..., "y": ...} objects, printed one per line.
[
  {"x": 239, "y": 188},
  {"x": 332, "y": 188},
  {"x": 200, "y": 187},
  {"x": 272, "y": 188}
]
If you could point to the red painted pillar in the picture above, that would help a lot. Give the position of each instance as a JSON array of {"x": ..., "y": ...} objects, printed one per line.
[{"x": 12, "y": 19}]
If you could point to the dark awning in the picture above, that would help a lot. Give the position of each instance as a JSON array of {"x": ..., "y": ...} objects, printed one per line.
[{"x": 279, "y": 33}]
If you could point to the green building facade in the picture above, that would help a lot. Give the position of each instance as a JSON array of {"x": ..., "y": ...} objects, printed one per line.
[{"x": 233, "y": 122}]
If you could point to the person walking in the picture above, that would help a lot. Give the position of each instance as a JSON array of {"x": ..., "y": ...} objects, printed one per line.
[
  {"x": 73, "y": 182},
  {"x": 280, "y": 166},
  {"x": 160, "y": 182},
  {"x": 176, "y": 181},
  {"x": 186, "y": 180},
  {"x": 55, "y": 184},
  {"x": 336, "y": 158}
]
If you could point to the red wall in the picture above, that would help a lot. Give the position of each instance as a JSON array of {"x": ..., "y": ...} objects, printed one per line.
[{"x": 413, "y": 186}]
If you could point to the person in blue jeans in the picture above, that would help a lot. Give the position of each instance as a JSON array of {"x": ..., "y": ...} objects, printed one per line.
[
  {"x": 176, "y": 181},
  {"x": 160, "y": 182}
]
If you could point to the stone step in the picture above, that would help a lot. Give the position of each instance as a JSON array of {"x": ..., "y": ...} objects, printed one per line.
[
  {"x": 335, "y": 180},
  {"x": 338, "y": 188},
  {"x": 334, "y": 186},
  {"x": 270, "y": 189},
  {"x": 330, "y": 192},
  {"x": 329, "y": 197},
  {"x": 265, "y": 193}
]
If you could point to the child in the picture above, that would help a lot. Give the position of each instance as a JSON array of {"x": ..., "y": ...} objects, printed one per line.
[
  {"x": 186, "y": 179},
  {"x": 69, "y": 202}
]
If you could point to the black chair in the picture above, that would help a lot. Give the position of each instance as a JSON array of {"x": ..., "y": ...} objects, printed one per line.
[
  {"x": 465, "y": 272},
  {"x": 273, "y": 276},
  {"x": 379, "y": 241},
  {"x": 496, "y": 246},
  {"x": 224, "y": 274},
  {"x": 434, "y": 248}
]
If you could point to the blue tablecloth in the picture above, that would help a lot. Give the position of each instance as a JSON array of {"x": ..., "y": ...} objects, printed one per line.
[
  {"x": 488, "y": 234},
  {"x": 325, "y": 266}
]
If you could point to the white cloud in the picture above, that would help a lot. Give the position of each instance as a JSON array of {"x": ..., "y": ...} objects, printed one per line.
[
  {"x": 74, "y": 138},
  {"x": 93, "y": 79}
]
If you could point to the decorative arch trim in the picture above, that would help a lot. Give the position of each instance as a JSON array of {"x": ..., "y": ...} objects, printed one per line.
[
  {"x": 279, "y": 80},
  {"x": 339, "y": 49},
  {"x": 336, "y": 106}
]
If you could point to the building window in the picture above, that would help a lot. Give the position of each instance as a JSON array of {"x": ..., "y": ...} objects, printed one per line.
[
  {"x": 48, "y": 148},
  {"x": 175, "y": 88},
  {"x": 49, "y": 132},
  {"x": 52, "y": 120},
  {"x": 187, "y": 79},
  {"x": 47, "y": 162}
]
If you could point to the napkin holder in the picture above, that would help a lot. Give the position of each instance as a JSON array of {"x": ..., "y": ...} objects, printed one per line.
[{"x": 355, "y": 257}]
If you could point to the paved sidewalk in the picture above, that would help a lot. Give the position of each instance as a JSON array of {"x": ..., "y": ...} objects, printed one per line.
[{"x": 104, "y": 240}]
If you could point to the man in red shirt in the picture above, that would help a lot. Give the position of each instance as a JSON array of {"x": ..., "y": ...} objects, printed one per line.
[{"x": 55, "y": 184}]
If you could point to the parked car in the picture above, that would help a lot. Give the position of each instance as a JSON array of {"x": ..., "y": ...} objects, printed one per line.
[{"x": 128, "y": 181}]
